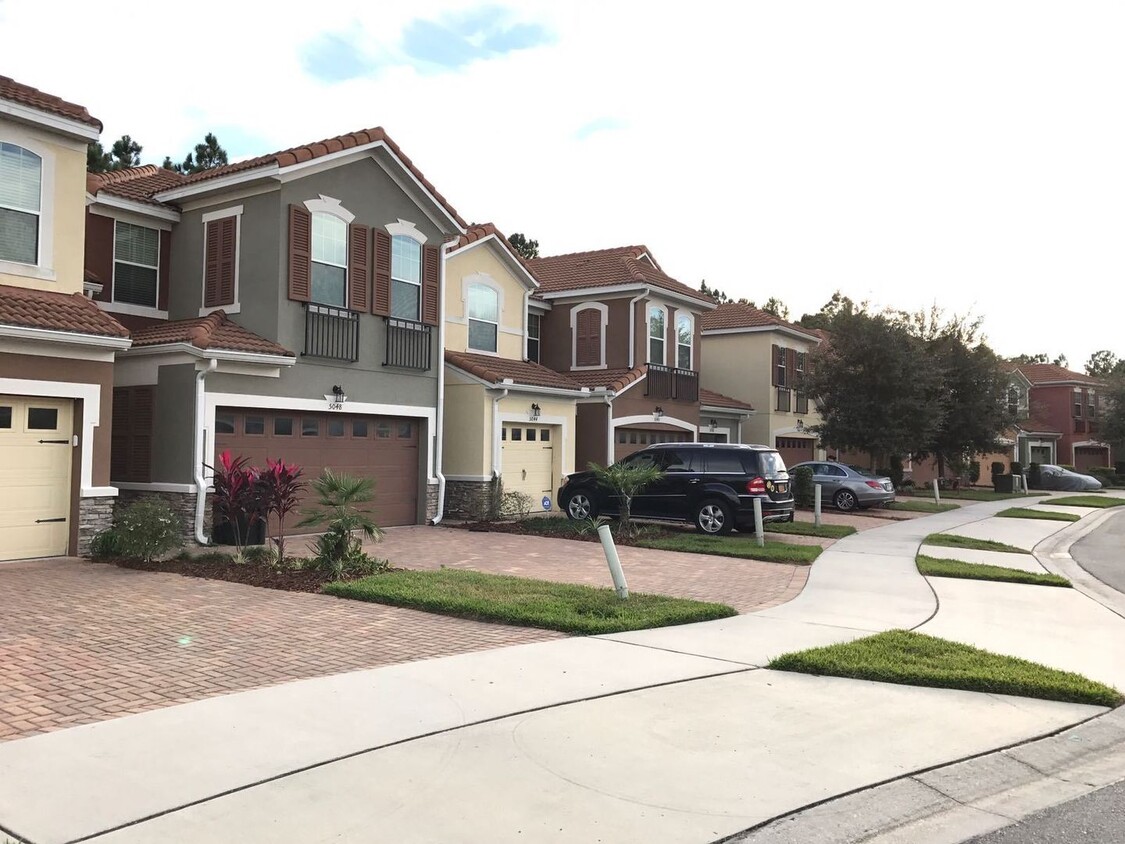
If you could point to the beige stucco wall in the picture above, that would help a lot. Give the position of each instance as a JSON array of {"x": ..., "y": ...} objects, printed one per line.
[
  {"x": 481, "y": 263},
  {"x": 465, "y": 439},
  {"x": 62, "y": 231}
]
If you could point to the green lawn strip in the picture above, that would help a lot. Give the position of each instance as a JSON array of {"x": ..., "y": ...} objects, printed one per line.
[
  {"x": 1086, "y": 501},
  {"x": 809, "y": 529},
  {"x": 1044, "y": 515},
  {"x": 974, "y": 494},
  {"x": 743, "y": 546},
  {"x": 914, "y": 659},
  {"x": 567, "y": 607},
  {"x": 921, "y": 506},
  {"x": 950, "y": 540},
  {"x": 933, "y": 567}
]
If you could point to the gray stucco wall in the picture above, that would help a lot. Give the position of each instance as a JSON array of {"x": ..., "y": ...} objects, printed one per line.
[{"x": 174, "y": 425}]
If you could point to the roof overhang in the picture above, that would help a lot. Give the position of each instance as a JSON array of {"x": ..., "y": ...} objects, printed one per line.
[
  {"x": 47, "y": 120},
  {"x": 513, "y": 386},
  {"x": 143, "y": 209},
  {"x": 514, "y": 264},
  {"x": 727, "y": 411},
  {"x": 229, "y": 355},
  {"x": 73, "y": 338},
  {"x": 626, "y": 290},
  {"x": 761, "y": 329},
  {"x": 1067, "y": 383}
]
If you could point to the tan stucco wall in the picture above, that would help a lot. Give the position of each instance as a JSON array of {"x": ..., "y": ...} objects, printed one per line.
[
  {"x": 62, "y": 232},
  {"x": 483, "y": 260},
  {"x": 465, "y": 438}
]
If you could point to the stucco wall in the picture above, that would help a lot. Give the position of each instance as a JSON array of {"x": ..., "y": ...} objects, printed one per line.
[
  {"x": 460, "y": 270},
  {"x": 466, "y": 444}
]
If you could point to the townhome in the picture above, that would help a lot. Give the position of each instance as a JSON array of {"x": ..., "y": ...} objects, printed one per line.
[
  {"x": 1064, "y": 406},
  {"x": 755, "y": 355},
  {"x": 621, "y": 327},
  {"x": 509, "y": 420},
  {"x": 57, "y": 349},
  {"x": 284, "y": 307}
]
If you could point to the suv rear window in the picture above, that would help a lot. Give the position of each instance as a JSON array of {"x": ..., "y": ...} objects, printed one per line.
[
  {"x": 723, "y": 461},
  {"x": 770, "y": 463}
]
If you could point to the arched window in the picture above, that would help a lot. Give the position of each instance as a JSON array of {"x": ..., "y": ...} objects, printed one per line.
[
  {"x": 21, "y": 180},
  {"x": 329, "y": 260},
  {"x": 657, "y": 335},
  {"x": 484, "y": 317},
  {"x": 406, "y": 277},
  {"x": 685, "y": 334}
]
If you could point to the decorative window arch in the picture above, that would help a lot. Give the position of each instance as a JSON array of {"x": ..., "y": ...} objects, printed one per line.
[
  {"x": 587, "y": 329},
  {"x": 21, "y": 204},
  {"x": 685, "y": 340}
]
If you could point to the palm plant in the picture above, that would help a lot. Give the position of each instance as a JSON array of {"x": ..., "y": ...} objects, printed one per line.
[
  {"x": 339, "y": 507},
  {"x": 626, "y": 479}
]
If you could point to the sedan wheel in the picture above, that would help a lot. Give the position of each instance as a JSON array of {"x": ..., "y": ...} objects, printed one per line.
[
  {"x": 845, "y": 500},
  {"x": 713, "y": 517},
  {"x": 579, "y": 507}
]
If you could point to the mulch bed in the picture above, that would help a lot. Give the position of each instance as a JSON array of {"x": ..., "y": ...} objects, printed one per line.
[{"x": 246, "y": 573}]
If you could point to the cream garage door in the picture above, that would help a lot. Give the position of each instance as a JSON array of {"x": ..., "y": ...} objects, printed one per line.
[
  {"x": 528, "y": 460},
  {"x": 35, "y": 455}
]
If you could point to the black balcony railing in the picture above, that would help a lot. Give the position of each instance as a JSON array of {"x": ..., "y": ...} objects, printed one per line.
[
  {"x": 666, "y": 382},
  {"x": 408, "y": 344},
  {"x": 331, "y": 333}
]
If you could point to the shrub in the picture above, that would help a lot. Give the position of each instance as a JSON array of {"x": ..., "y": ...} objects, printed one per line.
[
  {"x": 515, "y": 505},
  {"x": 625, "y": 480},
  {"x": 802, "y": 478},
  {"x": 974, "y": 471},
  {"x": 1017, "y": 467},
  {"x": 339, "y": 550},
  {"x": 148, "y": 528},
  {"x": 260, "y": 555},
  {"x": 997, "y": 468},
  {"x": 106, "y": 545},
  {"x": 895, "y": 472},
  {"x": 239, "y": 496},
  {"x": 281, "y": 488}
]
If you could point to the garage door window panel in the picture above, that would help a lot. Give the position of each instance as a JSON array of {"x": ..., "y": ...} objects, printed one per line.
[
  {"x": 254, "y": 426},
  {"x": 484, "y": 317},
  {"x": 283, "y": 426},
  {"x": 359, "y": 429},
  {"x": 336, "y": 427},
  {"x": 42, "y": 419},
  {"x": 21, "y": 178},
  {"x": 224, "y": 423},
  {"x": 405, "y": 430},
  {"x": 545, "y": 435},
  {"x": 5, "y": 417},
  {"x": 310, "y": 427},
  {"x": 382, "y": 430}
]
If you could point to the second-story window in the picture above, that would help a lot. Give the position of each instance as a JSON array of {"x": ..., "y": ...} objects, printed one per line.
[
  {"x": 533, "y": 326},
  {"x": 1013, "y": 401},
  {"x": 684, "y": 336},
  {"x": 136, "y": 256},
  {"x": 1077, "y": 402},
  {"x": 329, "y": 260},
  {"x": 782, "y": 373},
  {"x": 657, "y": 335},
  {"x": 21, "y": 176},
  {"x": 406, "y": 277},
  {"x": 484, "y": 317}
]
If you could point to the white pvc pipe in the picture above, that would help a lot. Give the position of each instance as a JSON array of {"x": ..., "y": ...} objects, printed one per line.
[
  {"x": 816, "y": 504},
  {"x": 937, "y": 495},
  {"x": 615, "y": 571},
  {"x": 759, "y": 529},
  {"x": 200, "y": 444}
]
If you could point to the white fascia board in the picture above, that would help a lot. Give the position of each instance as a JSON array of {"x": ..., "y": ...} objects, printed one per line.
[
  {"x": 728, "y": 411},
  {"x": 70, "y": 337},
  {"x": 54, "y": 122},
  {"x": 622, "y": 290},
  {"x": 218, "y": 184},
  {"x": 538, "y": 305},
  {"x": 217, "y": 354},
  {"x": 142, "y": 209},
  {"x": 761, "y": 329},
  {"x": 526, "y": 278}
]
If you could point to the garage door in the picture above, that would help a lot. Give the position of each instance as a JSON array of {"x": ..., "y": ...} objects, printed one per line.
[
  {"x": 794, "y": 450},
  {"x": 1089, "y": 458},
  {"x": 629, "y": 440},
  {"x": 529, "y": 460},
  {"x": 35, "y": 457},
  {"x": 381, "y": 447}
]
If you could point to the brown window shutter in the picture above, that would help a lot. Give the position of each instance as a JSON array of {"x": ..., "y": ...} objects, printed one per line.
[
  {"x": 431, "y": 274},
  {"x": 228, "y": 249},
  {"x": 300, "y": 253},
  {"x": 381, "y": 299},
  {"x": 791, "y": 367},
  {"x": 140, "y": 470},
  {"x": 119, "y": 441},
  {"x": 212, "y": 236},
  {"x": 588, "y": 345},
  {"x": 359, "y": 267},
  {"x": 775, "y": 358}
]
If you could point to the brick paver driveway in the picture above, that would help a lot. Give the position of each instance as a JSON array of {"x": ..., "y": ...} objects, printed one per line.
[
  {"x": 82, "y": 642},
  {"x": 746, "y": 585}
]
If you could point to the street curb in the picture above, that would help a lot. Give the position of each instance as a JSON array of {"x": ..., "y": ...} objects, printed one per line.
[{"x": 1053, "y": 553}]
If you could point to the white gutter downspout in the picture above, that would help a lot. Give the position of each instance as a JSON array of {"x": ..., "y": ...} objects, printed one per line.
[
  {"x": 609, "y": 429},
  {"x": 496, "y": 466},
  {"x": 439, "y": 424},
  {"x": 633, "y": 326},
  {"x": 200, "y": 443}
]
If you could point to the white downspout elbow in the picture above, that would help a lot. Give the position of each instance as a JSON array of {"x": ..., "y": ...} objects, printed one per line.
[{"x": 200, "y": 444}]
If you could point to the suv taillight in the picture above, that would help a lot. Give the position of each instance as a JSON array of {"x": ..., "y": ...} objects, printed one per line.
[
  {"x": 874, "y": 484},
  {"x": 757, "y": 485}
]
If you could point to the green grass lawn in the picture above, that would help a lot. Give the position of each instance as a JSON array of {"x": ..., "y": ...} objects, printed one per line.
[
  {"x": 933, "y": 567},
  {"x": 743, "y": 545},
  {"x": 950, "y": 540},
  {"x": 809, "y": 529},
  {"x": 567, "y": 607},
  {"x": 913, "y": 506},
  {"x": 914, "y": 659},
  {"x": 1087, "y": 501},
  {"x": 1044, "y": 515}
]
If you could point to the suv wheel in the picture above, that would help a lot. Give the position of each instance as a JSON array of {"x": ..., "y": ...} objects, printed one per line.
[
  {"x": 714, "y": 517},
  {"x": 580, "y": 506},
  {"x": 845, "y": 500}
]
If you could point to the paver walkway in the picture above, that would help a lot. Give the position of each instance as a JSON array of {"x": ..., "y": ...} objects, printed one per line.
[
  {"x": 82, "y": 642},
  {"x": 746, "y": 585}
]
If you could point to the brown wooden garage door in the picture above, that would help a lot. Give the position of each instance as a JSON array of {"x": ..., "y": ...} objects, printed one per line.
[
  {"x": 381, "y": 447},
  {"x": 1087, "y": 457},
  {"x": 794, "y": 450},
  {"x": 628, "y": 440}
]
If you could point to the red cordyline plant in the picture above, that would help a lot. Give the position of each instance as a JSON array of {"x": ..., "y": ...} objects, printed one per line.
[
  {"x": 238, "y": 495},
  {"x": 281, "y": 487}
]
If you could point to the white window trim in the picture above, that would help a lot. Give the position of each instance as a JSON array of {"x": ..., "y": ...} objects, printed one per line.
[
  {"x": 603, "y": 309},
  {"x": 691, "y": 344},
  {"x": 144, "y": 310},
  {"x": 649, "y": 338},
  {"x": 347, "y": 248},
  {"x": 43, "y": 268},
  {"x": 236, "y": 212},
  {"x": 488, "y": 284}
]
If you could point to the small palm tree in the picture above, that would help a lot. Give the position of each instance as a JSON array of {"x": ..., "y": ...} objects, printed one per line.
[
  {"x": 339, "y": 507},
  {"x": 626, "y": 480}
]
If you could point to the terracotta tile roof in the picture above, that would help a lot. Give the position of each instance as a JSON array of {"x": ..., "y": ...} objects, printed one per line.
[
  {"x": 605, "y": 268},
  {"x": 1045, "y": 373},
  {"x": 70, "y": 312},
  {"x": 1035, "y": 425},
  {"x": 213, "y": 332},
  {"x": 495, "y": 370},
  {"x": 739, "y": 315},
  {"x": 612, "y": 379},
  {"x": 34, "y": 98},
  {"x": 318, "y": 149},
  {"x": 479, "y": 231},
  {"x": 135, "y": 183},
  {"x": 712, "y": 399}
]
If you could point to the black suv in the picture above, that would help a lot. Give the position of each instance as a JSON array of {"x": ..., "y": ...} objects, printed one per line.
[{"x": 710, "y": 485}]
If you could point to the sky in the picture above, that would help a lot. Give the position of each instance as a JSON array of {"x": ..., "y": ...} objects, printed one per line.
[{"x": 968, "y": 154}]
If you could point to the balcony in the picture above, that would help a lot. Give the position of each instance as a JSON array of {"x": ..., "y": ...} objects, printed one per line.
[
  {"x": 409, "y": 344},
  {"x": 666, "y": 382},
  {"x": 331, "y": 333}
]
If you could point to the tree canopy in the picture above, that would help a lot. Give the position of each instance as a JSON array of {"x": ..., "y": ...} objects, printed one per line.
[
  {"x": 1042, "y": 357},
  {"x": 125, "y": 152},
  {"x": 523, "y": 245},
  {"x": 206, "y": 156},
  {"x": 721, "y": 297},
  {"x": 1104, "y": 363},
  {"x": 776, "y": 307},
  {"x": 823, "y": 319}
]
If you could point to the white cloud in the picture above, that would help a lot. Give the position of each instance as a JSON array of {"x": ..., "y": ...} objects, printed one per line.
[{"x": 961, "y": 152}]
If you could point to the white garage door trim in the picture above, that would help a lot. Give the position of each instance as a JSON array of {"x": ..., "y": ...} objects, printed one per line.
[
  {"x": 91, "y": 397},
  {"x": 564, "y": 424}
]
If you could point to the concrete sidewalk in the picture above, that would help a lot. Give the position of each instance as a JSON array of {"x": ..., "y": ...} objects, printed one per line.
[{"x": 665, "y": 735}]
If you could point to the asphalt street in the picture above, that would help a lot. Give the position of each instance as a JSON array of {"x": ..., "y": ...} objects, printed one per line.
[
  {"x": 1095, "y": 818},
  {"x": 1102, "y": 553}
]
